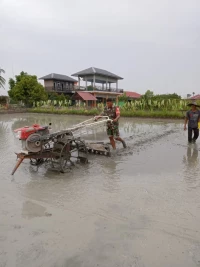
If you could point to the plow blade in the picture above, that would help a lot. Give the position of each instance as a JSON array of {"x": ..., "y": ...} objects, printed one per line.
[{"x": 19, "y": 161}]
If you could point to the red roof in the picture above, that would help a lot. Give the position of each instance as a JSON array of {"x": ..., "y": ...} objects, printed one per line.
[
  {"x": 132, "y": 94},
  {"x": 84, "y": 96},
  {"x": 196, "y": 97}
]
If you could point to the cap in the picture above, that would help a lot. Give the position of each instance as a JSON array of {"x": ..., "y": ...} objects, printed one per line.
[{"x": 193, "y": 103}]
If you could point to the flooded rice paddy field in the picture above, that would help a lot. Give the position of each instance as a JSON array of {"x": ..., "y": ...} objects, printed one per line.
[{"x": 139, "y": 207}]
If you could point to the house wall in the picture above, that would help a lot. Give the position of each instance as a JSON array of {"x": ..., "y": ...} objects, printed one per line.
[
  {"x": 64, "y": 83},
  {"x": 48, "y": 83}
]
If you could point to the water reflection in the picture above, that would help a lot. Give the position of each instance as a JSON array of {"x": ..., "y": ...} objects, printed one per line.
[
  {"x": 191, "y": 158},
  {"x": 7, "y": 146},
  {"x": 111, "y": 173},
  {"x": 31, "y": 210},
  {"x": 3, "y": 132},
  {"x": 129, "y": 128},
  {"x": 64, "y": 121},
  {"x": 191, "y": 166},
  {"x": 58, "y": 123},
  {"x": 139, "y": 134}
]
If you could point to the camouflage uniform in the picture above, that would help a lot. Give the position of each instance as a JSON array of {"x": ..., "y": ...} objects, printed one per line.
[{"x": 112, "y": 127}]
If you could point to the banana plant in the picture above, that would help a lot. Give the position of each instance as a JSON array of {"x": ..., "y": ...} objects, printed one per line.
[{"x": 49, "y": 102}]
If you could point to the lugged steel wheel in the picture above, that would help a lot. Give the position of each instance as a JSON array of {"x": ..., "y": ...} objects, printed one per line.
[
  {"x": 60, "y": 156},
  {"x": 80, "y": 147},
  {"x": 65, "y": 154},
  {"x": 65, "y": 157}
]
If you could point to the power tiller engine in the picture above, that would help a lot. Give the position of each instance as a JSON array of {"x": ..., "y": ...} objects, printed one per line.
[{"x": 30, "y": 137}]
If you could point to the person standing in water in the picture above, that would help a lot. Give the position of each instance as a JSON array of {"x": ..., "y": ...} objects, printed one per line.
[
  {"x": 192, "y": 118},
  {"x": 112, "y": 127}
]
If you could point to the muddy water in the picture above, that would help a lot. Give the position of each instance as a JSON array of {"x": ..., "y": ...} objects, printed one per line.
[{"x": 140, "y": 207}]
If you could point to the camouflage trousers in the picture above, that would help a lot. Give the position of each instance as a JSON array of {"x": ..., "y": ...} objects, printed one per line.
[{"x": 113, "y": 129}]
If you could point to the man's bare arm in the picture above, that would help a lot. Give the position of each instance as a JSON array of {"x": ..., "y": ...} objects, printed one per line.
[
  {"x": 99, "y": 116},
  {"x": 117, "y": 118}
]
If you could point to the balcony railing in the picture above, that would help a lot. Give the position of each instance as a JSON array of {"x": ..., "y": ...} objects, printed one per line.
[
  {"x": 100, "y": 88},
  {"x": 71, "y": 89},
  {"x": 64, "y": 89}
]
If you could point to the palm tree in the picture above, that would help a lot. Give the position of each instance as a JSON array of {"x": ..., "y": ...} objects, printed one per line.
[{"x": 2, "y": 80}]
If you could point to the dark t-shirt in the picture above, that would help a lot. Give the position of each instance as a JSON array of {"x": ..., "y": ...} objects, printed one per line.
[{"x": 193, "y": 118}]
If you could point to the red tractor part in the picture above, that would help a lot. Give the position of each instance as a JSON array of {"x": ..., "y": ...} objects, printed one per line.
[{"x": 24, "y": 132}]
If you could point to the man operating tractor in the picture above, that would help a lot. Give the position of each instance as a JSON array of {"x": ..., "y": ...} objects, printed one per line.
[{"x": 113, "y": 126}]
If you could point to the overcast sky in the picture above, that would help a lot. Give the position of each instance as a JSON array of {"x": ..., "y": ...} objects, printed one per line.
[{"x": 152, "y": 44}]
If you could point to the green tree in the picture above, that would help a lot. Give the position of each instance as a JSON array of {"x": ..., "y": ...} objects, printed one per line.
[
  {"x": 56, "y": 96},
  {"x": 149, "y": 94},
  {"x": 61, "y": 97},
  {"x": 18, "y": 78},
  {"x": 26, "y": 88},
  {"x": 2, "y": 79},
  {"x": 11, "y": 83},
  {"x": 167, "y": 96}
]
